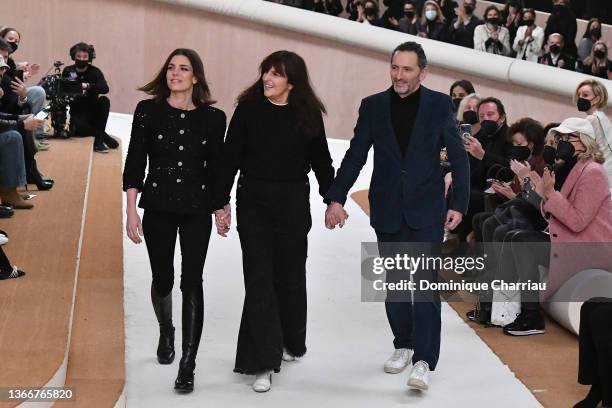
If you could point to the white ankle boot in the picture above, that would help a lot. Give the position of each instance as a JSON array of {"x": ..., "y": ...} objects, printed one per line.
[{"x": 263, "y": 382}]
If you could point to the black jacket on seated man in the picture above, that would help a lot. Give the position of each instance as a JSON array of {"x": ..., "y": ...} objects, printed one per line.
[
  {"x": 564, "y": 61},
  {"x": 497, "y": 152}
]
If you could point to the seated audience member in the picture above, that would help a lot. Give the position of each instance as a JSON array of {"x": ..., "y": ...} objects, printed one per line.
[
  {"x": 487, "y": 148},
  {"x": 512, "y": 17},
  {"x": 591, "y": 97},
  {"x": 529, "y": 38},
  {"x": 461, "y": 28},
  {"x": 592, "y": 34},
  {"x": 407, "y": 24},
  {"x": 7, "y": 271},
  {"x": 563, "y": 21},
  {"x": 467, "y": 113},
  {"x": 491, "y": 37},
  {"x": 352, "y": 8},
  {"x": 459, "y": 90},
  {"x": 24, "y": 125},
  {"x": 89, "y": 112},
  {"x": 575, "y": 199},
  {"x": 556, "y": 55},
  {"x": 448, "y": 8},
  {"x": 368, "y": 13},
  {"x": 331, "y": 7},
  {"x": 595, "y": 353},
  {"x": 598, "y": 63},
  {"x": 432, "y": 24},
  {"x": 393, "y": 13}
]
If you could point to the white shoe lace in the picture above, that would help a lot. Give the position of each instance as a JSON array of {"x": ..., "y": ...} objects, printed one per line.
[
  {"x": 398, "y": 354},
  {"x": 421, "y": 368}
]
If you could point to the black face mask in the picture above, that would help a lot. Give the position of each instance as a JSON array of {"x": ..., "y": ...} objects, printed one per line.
[
  {"x": 558, "y": 8},
  {"x": 409, "y": 14},
  {"x": 583, "y": 105},
  {"x": 520, "y": 153},
  {"x": 456, "y": 102},
  {"x": 489, "y": 127},
  {"x": 493, "y": 21},
  {"x": 469, "y": 9},
  {"x": 599, "y": 54},
  {"x": 596, "y": 32},
  {"x": 470, "y": 117},
  {"x": 549, "y": 154},
  {"x": 80, "y": 64},
  {"x": 528, "y": 23},
  {"x": 370, "y": 12},
  {"x": 13, "y": 46},
  {"x": 555, "y": 49},
  {"x": 565, "y": 151}
]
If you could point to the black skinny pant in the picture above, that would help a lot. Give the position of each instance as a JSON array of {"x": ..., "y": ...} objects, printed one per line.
[
  {"x": 160, "y": 229},
  {"x": 273, "y": 224},
  {"x": 88, "y": 117},
  {"x": 595, "y": 346}
]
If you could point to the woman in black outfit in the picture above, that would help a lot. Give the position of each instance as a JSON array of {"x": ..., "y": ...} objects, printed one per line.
[
  {"x": 275, "y": 137},
  {"x": 181, "y": 134}
]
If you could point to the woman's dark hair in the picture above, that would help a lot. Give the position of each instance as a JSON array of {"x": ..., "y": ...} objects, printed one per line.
[
  {"x": 533, "y": 132},
  {"x": 302, "y": 98},
  {"x": 486, "y": 12},
  {"x": 529, "y": 10},
  {"x": 587, "y": 32},
  {"x": 7, "y": 30},
  {"x": 465, "y": 84},
  {"x": 158, "y": 87}
]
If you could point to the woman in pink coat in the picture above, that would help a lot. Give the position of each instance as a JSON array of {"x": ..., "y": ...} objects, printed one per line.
[{"x": 575, "y": 199}]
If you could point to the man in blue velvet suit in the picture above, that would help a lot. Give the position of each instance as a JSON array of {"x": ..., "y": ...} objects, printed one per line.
[{"x": 408, "y": 125}]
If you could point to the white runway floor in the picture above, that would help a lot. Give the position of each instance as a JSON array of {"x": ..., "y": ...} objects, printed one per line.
[{"x": 348, "y": 340}]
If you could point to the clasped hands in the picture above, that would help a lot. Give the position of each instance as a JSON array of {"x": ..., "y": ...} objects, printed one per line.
[
  {"x": 223, "y": 220},
  {"x": 335, "y": 215}
]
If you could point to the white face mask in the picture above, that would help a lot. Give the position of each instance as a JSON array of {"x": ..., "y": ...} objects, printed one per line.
[{"x": 431, "y": 15}]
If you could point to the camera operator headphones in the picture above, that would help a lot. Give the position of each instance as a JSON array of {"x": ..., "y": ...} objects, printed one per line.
[{"x": 81, "y": 47}]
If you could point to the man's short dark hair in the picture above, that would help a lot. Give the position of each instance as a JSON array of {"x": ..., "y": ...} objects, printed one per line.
[
  {"x": 411, "y": 46},
  {"x": 4, "y": 46},
  {"x": 500, "y": 106}
]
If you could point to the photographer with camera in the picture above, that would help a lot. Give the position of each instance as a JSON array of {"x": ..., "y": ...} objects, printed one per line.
[{"x": 89, "y": 112}]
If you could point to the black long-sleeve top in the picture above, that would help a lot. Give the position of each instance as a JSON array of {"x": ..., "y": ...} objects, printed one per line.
[
  {"x": 267, "y": 142},
  {"x": 183, "y": 149},
  {"x": 403, "y": 116},
  {"x": 497, "y": 152},
  {"x": 92, "y": 76}
]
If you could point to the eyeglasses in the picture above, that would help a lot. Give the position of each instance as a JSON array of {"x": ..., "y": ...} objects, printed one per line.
[{"x": 566, "y": 138}]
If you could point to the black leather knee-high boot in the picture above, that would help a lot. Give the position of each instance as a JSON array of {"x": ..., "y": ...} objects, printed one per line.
[
  {"x": 193, "y": 319},
  {"x": 163, "y": 312}
]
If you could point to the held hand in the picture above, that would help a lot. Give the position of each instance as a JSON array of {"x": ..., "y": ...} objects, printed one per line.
[
  {"x": 474, "y": 147},
  {"x": 19, "y": 87},
  {"x": 223, "y": 220},
  {"x": 453, "y": 219},
  {"x": 521, "y": 169},
  {"x": 335, "y": 215},
  {"x": 133, "y": 227},
  {"x": 31, "y": 123}
]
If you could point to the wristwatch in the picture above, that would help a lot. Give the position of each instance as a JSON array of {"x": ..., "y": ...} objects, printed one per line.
[{"x": 22, "y": 100}]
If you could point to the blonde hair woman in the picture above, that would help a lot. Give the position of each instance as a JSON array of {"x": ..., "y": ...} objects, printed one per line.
[
  {"x": 591, "y": 97},
  {"x": 432, "y": 24},
  {"x": 597, "y": 63}
]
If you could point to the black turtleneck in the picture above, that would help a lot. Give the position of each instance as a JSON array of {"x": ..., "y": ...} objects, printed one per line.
[{"x": 403, "y": 116}]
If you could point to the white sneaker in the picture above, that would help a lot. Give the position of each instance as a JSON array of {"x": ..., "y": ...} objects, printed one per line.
[
  {"x": 263, "y": 382},
  {"x": 287, "y": 356},
  {"x": 3, "y": 239},
  {"x": 398, "y": 361},
  {"x": 419, "y": 376}
]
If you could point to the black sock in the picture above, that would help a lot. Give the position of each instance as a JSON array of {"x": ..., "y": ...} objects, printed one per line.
[{"x": 592, "y": 399}]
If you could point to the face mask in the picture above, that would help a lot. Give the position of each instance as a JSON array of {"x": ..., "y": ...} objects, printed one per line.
[
  {"x": 555, "y": 49},
  {"x": 583, "y": 105},
  {"x": 81, "y": 64},
  {"x": 599, "y": 54},
  {"x": 549, "y": 154},
  {"x": 13, "y": 46},
  {"x": 409, "y": 14},
  {"x": 469, "y": 9},
  {"x": 596, "y": 32},
  {"x": 370, "y": 12},
  {"x": 470, "y": 117},
  {"x": 565, "y": 150},
  {"x": 493, "y": 21},
  {"x": 528, "y": 23},
  {"x": 431, "y": 15},
  {"x": 520, "y": 153},
  {"x": 456, "y": 102},
  {"x": 489, "y": 127},
  {"x": 558, "y": 8}
]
